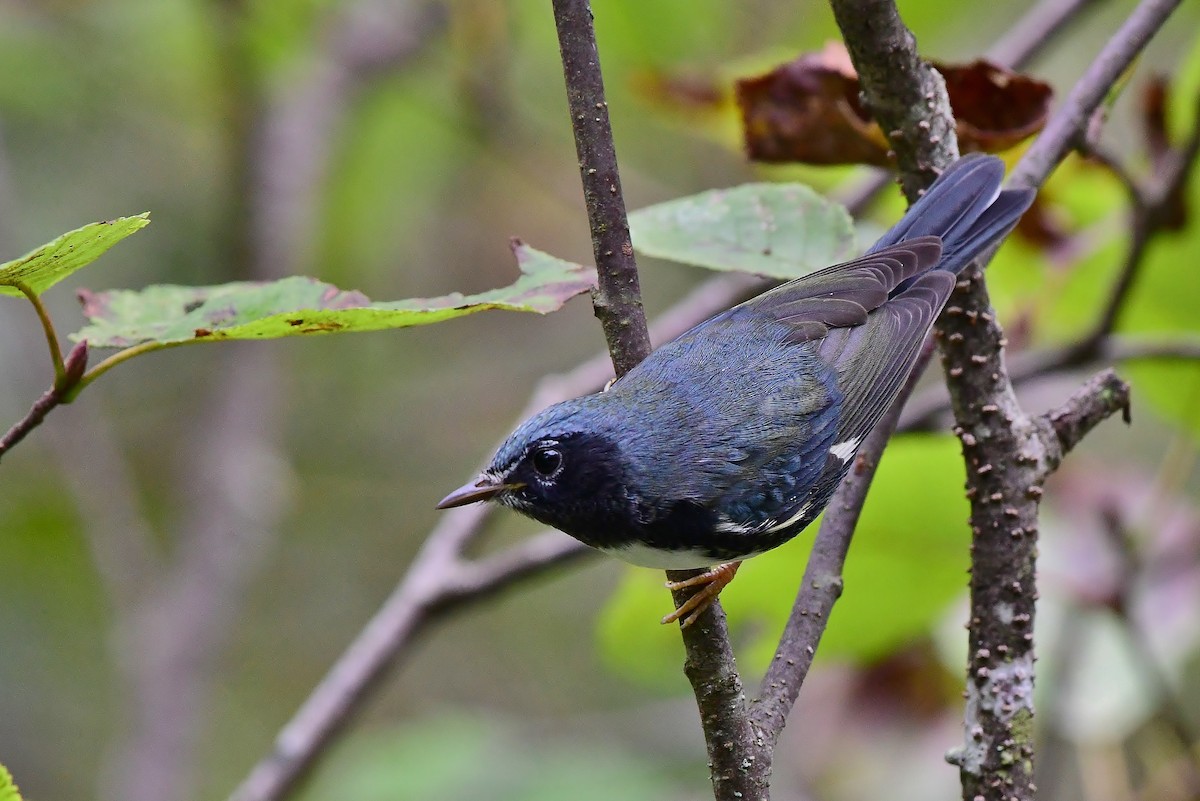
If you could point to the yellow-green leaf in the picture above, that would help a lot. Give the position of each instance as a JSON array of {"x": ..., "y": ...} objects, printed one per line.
[
  {"x": 8, "y": 788},
  {"x": 175, "y": 315},
  {"x": 44, "y": 267}
]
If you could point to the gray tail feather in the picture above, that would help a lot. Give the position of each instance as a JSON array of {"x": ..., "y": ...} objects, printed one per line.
[{"x": 966, "y": 208}]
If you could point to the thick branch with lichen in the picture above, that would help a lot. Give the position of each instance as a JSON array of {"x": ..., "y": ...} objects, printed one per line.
[
  {"x": 1007, "y": 453},
  {"x": 905, "y": 95}
]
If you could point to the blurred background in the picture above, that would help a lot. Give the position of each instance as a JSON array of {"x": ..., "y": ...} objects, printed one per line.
[{"x": 186, "y": 549}]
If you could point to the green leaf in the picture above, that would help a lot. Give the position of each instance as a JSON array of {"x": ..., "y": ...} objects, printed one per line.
[
  {"x": 175, "y": 315},
  {"x": 907, "y": 563},
  {"x": 8, "y": 788},
  {"x": 43, "y": 268},
  {"x": 777, "y": 230}
]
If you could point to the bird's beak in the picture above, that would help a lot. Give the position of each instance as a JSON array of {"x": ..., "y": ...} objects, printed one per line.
[{"x": 483, "y": 488}]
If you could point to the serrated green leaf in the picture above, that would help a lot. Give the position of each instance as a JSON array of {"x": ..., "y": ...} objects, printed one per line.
[
  {"x": 175, "y": 315},
  {"x": 44, "y": 267},
  {"x": 8, "y": 787},
  {"x": 777, "y": 230},
  {"x": 907, "y": 563}
]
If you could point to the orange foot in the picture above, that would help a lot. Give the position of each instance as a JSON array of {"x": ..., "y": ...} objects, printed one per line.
[{"x": 711, "y": 582}]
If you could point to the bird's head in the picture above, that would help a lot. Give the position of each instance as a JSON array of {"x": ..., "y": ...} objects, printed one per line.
[{"x": 563, "y": 467}]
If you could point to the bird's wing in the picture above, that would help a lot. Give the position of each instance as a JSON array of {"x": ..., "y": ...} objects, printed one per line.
[
  {"x": 860, "y": 326},
  {"x": 865, "y": 319},
  {"x": 844, "y": 294}
]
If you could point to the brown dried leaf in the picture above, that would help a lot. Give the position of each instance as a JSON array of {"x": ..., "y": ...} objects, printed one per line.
[
  {"x": 808, "y": 110},
  {"x": 995, "y": 108}
]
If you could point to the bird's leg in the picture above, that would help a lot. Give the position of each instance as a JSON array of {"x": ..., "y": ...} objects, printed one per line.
[{"x": 711, "y": 582}]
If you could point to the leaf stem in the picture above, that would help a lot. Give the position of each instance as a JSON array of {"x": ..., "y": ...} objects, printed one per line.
[
  {"x": 112, "y": 361},
  {"x": 56, "y": 356}
]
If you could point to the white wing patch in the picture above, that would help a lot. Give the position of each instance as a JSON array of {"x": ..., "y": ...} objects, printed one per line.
[
  {"x": 727, "y": 526},
  {"x": 791, "y": 521},
  {"x": 844, "y": 450}
]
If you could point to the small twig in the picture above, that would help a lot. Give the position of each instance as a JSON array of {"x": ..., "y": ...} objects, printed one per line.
[
  {"x": 1063, "y": 129},
  {"x": 1101, "y": 397},
  {"x": 822, "y": 583},
  {"x": 68, "y": 375},
  {"x": 709, "y": 663},
  {"x": 909, "y": 100}
]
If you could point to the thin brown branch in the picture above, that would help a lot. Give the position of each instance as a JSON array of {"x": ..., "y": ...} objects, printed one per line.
[
  {"x": 709, "y": 663},
  {"x": 822, "y": 583},
  {"x": 67, "y": 374},
  {"x": 1065, "y": 127},
  {"x": 32, "y": 419},
  {"x": 618, "y": 298},
  {"x": 908, "y": 98}
]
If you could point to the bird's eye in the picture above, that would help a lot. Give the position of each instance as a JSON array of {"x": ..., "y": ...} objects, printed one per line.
[{"x": 547, "y": 461}]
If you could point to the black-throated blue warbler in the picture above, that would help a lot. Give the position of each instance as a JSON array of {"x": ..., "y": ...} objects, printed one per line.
[{"x": 729, "y": 440}]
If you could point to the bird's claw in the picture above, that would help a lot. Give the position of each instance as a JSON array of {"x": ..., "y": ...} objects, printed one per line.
[{"x": 711, "y": 582}]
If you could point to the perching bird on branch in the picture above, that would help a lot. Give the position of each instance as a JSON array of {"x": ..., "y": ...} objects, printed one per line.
[{"x": 731, "y": 439}]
